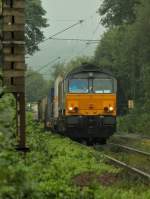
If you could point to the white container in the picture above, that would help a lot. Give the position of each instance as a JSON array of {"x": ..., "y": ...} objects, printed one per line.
[{"x": 56, "y": 85}]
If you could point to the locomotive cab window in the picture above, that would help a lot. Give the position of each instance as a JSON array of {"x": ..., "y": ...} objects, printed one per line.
[
  {"x": 78, "y": 86},
  {"x": 103, "y": 86},
  {"x": 98, "y": 85}
]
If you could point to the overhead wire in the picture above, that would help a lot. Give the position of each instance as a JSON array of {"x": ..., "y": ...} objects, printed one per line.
[
  {"x": 51, "y": 19},
  {"x": 60, "y": 32},
  {"x": 52, "y": 37},
  {"x": 91, "y": 41},
  {"x": 97, "y": 27},
  {"x": 44, "y": 66},
  {"x": 75, "y": 39},
  {"x": 45, "y": 74},
  {"x": 80, "y": 22},
  {"x": 88, "y": 41}
]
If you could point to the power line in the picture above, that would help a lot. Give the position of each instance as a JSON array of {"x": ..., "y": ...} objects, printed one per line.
[
  {"x": 89, "y": 43},
  {"x": 31, "y": 18},
  {"x": 62, "y": 31},
  {"x": 69, "y": 39},
  {"x": 45, "y": 66},
  {"x": 79, "y": 22},
  {"x": 95, "y": 31}
]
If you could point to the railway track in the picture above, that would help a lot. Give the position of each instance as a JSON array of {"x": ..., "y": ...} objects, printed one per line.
[
  {"x": 130, "y": 149},
  {"x": 129, "y": 167},
  {"x": 132, "y": 136},
  {"x": 140, "y": 143},
  {"x": 117, "y": 161}
]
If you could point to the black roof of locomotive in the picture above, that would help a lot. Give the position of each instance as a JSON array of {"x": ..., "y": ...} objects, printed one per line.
[{"x": 87, "y": 67}]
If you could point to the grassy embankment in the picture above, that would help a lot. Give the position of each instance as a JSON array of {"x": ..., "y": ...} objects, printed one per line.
[{"x": 56, "y": 167}]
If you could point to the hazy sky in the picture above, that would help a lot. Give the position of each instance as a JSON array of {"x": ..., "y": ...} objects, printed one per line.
[{"x": 61, "y": 14}]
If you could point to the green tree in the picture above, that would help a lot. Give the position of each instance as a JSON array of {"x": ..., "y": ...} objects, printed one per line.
[
  {"x": 62, "y": 68},
  {"x": 36, "y": 86},
  {"x": 35, "y": 21},
  {"x": 1, "y": 78},
  {"x": 117, "y": 12},
  {"x": 56, "y": 70},
  {"x": 125, "y": 50},
  {"x": 76, "y": 62},
  {"x": 142, "y": 37},
  {"x": 111, "y": 55}
]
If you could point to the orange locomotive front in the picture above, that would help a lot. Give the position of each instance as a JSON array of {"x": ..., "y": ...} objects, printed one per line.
[
  {"x": 83, "y": 104},
  {"x": 91, "y": 104},
  {"x": 87, "y": 104}
]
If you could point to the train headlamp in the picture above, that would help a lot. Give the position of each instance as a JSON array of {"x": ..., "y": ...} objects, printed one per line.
[
  {"x": 111, "y": 109},
  {"x": 70, "y": 108},
  {"x": 73, "y": 109}
]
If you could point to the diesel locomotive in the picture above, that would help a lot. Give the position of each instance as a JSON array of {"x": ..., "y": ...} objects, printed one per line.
[{"x": 82, "y": 105}]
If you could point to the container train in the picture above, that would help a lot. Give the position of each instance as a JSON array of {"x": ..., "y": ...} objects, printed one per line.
[{"x": 82, "y": 104}]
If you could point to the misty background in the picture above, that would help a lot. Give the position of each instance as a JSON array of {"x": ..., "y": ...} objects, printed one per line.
[{"x": 61, "y": 15}]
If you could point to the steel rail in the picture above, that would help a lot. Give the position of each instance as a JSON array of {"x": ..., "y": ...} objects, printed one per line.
[
  {"x": 122, "y": 164},
  {"x": 130, "y": 149},
  {"x": 132, "y": 136},
  {"x": 125, "y": 165}
]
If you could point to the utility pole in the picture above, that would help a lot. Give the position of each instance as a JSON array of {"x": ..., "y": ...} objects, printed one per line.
[{"x": 13, "y": 45}]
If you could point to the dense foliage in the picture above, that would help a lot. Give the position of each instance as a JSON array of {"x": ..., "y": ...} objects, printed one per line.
[
  {"x": 63, "y": 69},
  {"x": 117, "y": 12},
  {"x": 36, "y": 86},
  {"x": 125, "y": 49},
  {"x": 35, "y": 21},
  {"x": 56, "y": 167}
]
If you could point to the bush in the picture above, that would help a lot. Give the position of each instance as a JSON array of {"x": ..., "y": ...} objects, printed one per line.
[
  {"x": 53, "y": 165},
  {"x": 137, "y": 121}
]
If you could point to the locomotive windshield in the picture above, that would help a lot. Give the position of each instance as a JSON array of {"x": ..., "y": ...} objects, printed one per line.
[
  {"x": 78, "y": 86},
  {"x": 102, "y": 86},
  {"x": 90, "y": 85}
]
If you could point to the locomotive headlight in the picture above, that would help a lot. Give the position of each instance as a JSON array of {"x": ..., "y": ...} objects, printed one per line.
[
  {"x": 70, "y": 108},
  {"x": 111, "y": 109},
  {"x": 73, "y": 109}
]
